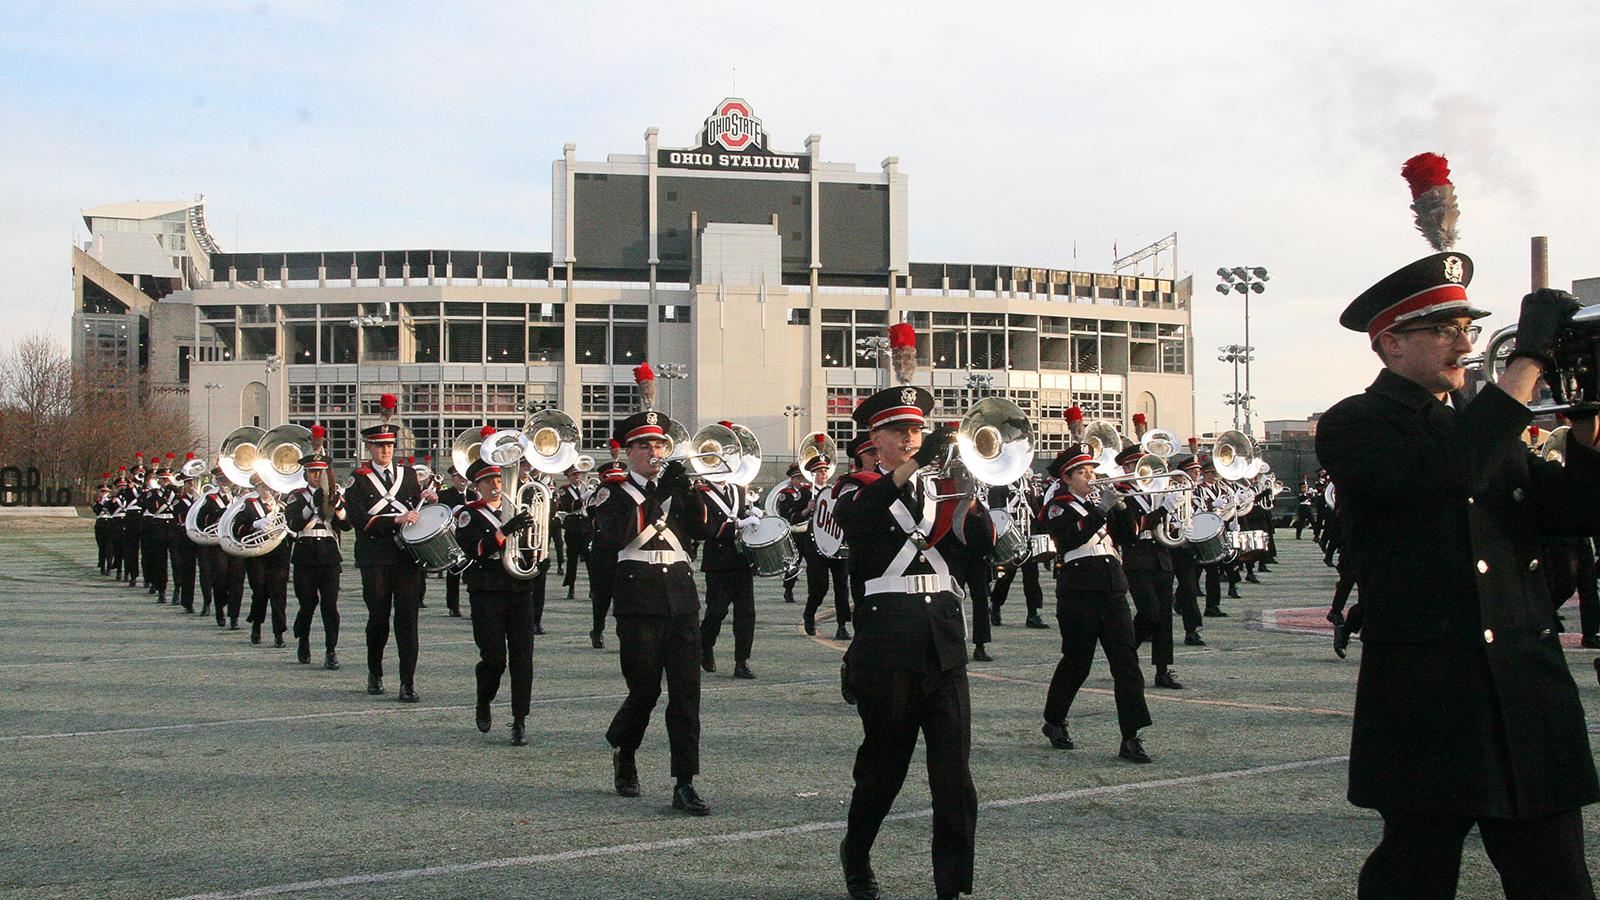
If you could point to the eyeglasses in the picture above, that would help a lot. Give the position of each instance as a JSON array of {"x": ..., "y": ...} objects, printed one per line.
[{"x": 1447, "y": 334}]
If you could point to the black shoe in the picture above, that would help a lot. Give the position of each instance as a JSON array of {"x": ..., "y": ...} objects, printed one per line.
[
  {"x": 1341, "y": 639},
  {"x": 483, "y": 718},
  {"x": 255, "y": 634},
  {"x": 1165, "y": 679},
  {"x": 233, "y": 624},
  {"x": 455, "y": 612},
  {"x": 206, "y": 608},
  {"x": 841, "y": 633},
  {"x": 1261, "y": 568},
  {"x": 421, "y": 605},
  {"x": 331, "y": 661},
  {"x": 407, "y": 694},
  {"x": 1233, "y": 591},
  {"x": 994, "y": 616},
  {"x": 685, "y": 798},
  {"x": 1215, "y": 612},
  {"x": 1192, "y": 639},
  {"x": 161, "y": 597},
  {"x": 374, "y": 684},
  {"x": 1133, "y": 751},
  {"x": 1335, "y": 618},
  {"x": 519, "y": 732},
  {"x": 1035, "y": 622},
  {"x": 538, "y": 628},
  {"x": 1058, "y": 736},
  {"x": 624, "y": 774},
  {"x": 858, "y": 879},
  {"x": 572, "y": 592},
  {"x": 788, "y": 596},
  {"x": 597, "y": 640},
  {"x": 811, "y": 625},
  {"x": 303, "y": 651},
  {"x": 1251, "y": 579},
  {"x": 188, "y": 610},
  {"x": 277, "y": 639},
  {"x": 741, "y": 669},
  {"x": 980, "y": 655},
  {"x": 708, "y": 659}
]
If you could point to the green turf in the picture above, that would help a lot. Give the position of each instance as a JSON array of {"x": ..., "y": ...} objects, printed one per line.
[{"x": 357, "y": 785}]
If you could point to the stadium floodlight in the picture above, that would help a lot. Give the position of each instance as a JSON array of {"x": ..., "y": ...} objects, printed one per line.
[
  {"x": 1224, "y": 274},
  {"x": 1261, "y": 274},
  {"x": 1222, "y": 289}
]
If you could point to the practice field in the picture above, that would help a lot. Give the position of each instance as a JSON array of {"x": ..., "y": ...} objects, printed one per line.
[{"x": 146, "y": 753}]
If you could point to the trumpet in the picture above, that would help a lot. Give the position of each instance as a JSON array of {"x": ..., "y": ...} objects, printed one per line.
[
  {"x": 993, "y": 445},
  {"x": 1575, "y": 380},
  {"x": 713, "y": 453}
]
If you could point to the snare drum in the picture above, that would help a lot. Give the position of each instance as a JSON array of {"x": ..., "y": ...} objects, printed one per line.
[
  {"x": 1009, "y": 543},
  {"x": 770, "y": 546},
  {"x": 1041, "y": 548},
  {"x": 1252, "y": 545},
  {"x": 432, "y": 539},
  {"x": 1207, "y": 537}
]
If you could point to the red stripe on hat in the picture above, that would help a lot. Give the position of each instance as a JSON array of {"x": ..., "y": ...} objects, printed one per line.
[
  {"x": 315, "y": 466},
  {"x": 1078, "y": 460},
  {"x": 486, "y": 471},
  {"x": 1434, "y": 299},
  {"x": 644, "y": 431},
  {"x": 895, "y": 414}
]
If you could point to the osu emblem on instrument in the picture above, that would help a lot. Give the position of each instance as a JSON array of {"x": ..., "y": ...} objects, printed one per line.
[
  {"x": 908, "y": 396},
  {"x": 1453, "y": 270}
]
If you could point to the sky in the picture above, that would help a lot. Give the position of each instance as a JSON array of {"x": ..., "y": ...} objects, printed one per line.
[{"x": 1267, "y": 134}]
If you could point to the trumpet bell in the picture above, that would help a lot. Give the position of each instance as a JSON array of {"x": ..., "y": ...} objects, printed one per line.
[
  {"x": 240, "y": 450},
  {"x": 279, "y": 461},
  {"x": 995, "y": 441},
  {"x": 1159, "y": 442},
  {"x": 1150, "y": 473},
  {"x": 552, "y": 441},
  {"x": 1234, "y": 455},
  {"x": 717, "y": 455}
]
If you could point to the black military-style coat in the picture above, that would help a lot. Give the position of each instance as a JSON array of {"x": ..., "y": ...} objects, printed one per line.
[
  {"x": 644, "y": 589},
  {"x": 181, "y": 502},
  {"x": 791, "y": 505},
  {"x": 478, "y": 533},
  {"x": 1140, "y": 553},
  {"x": 1073, "y": 523},
  {"x": 721, "y": 507},
  {"x": 303, "y": 510},
  {"x": 916, "y": 632},
  {"x": 1464, "y": 703},
  {"x": 453, "y": 497},
  {"x": 373, "y": 514}
]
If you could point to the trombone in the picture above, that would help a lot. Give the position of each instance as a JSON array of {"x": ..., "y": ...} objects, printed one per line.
[
  {"x": 712, "y": 453},
  {"x": 993, "y": 445}
]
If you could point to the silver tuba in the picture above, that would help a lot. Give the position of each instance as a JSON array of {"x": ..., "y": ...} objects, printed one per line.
[
  {"x": 993, "y": 445},
  {"x": 1234, "y": 455},
  {"x": 547, "y": 441},
  {"x": 241, "y": 460}
]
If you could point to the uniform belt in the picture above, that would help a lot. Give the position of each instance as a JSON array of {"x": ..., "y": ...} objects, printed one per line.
[
  {"x": 1093, "y": 548},
  {"x": 316, "y": 533},
  {"x": 1147, "y": 535},
  {"x": 912, "y": 584},
  {"x": 167, "y": 516},
  {"x": 653, "y": 557}
]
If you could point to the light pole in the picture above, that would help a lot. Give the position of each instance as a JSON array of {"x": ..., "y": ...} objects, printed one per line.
[
  {"x": 670, "y": 372},
  {"x": 874, "y": 348},
  {"x": 356, "y": 322},
  {"x": 1244, "y": 280},
  {"x": 977, "y": 382},
  {"x": 209, "y": 387},
  {"x": 793, "y": 413},
  {"x": 1236, "y": 354},
  {"x": 274, "y": 364}
]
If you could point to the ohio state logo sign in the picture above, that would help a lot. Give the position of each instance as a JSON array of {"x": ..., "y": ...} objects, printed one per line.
[{"x": 733, "y": 127}]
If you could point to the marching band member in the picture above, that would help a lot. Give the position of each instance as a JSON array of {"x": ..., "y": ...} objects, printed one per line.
[
  {"x": 906, "y": 669},
  {"x": 316, "y": 514},
  {"x": 821, "y": 570},
  {"x": 1148, "y": 567},
  {"x": 155, "y": 506},
  {"x": 104, "y": 506},
  {"x": 864, "y": 452},
  {"x": 1092, "y": 605},
  {"x": 1021, "y": 500},
  {"x": 132, "y": 512},
  {"x": 227, "y": 570},
  {"x": 570, "y": 504},
  {"x": 729, "y": 579},
  {"x": 455, "y": 497},
  {"x": 1185, "y": 570},
  {"x": 184, "y": 552},
  {"x": 383, "y": 498},
  {"x": 1209, "y": 496},
  {"x": 268, "y": 573},
  {"x": 601, "y": 561},
  {"x": 502, "y": 604},
  {"x": 651, "y": 517},
  {"x": 794, "y": 505}
]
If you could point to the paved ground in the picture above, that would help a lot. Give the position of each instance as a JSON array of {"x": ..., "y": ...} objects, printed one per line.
[{"x": 146, "y": 753}]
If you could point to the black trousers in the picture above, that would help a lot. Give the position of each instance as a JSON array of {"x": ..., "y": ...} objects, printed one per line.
[
  {"x": 184, "y": 556},
  {"x": 391, "y": 591},
  {"x": 1031, "y": 592},
  {"x": 653, "y": 646},
  {"x": 227, "y": 590},
  {"x": 153, "y": 559},
  {"x": 502, "y": 627},
  {"x": 730, "y": 588},
  {"x": 572, "y": 533},
  {"x": 1347, "y": 581},
  {"x": 1186, "y": 589},
  {"x": 558, "y": 544},
  {"x": 1152, "y": 598},
  {"x": 102, "y": 544},
  {"x": 821, "y": 571},
  {"x": 1086, "y": 617},
  {"x": 1216, "y": 574},
  {"x": 316, "y": 587},
  {"x": 1420, "y": 856},
  {"x": 205, "y": 565},
  {"x": 1302, "y": 518},
  {"x": 978, "y": 599},
  {"x": 130, "y": 551},
  {"x": 602, "y": 569},
  {"x": 269, "y": 586},
  {"x": 896, "y": 705}
]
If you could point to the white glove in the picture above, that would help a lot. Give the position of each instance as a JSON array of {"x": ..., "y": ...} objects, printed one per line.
[
  {"x": 1107, "y": 501},
  {"x": 749, "y": 520},
  {"x": 261, "y": 524}
]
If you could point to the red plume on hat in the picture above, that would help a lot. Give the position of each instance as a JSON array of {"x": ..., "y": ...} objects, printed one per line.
[
  {"x": 138, "y": 454},
  {"x": 486, "y": 430},
  {"x": 188, "y": 456},
  {"x": 1533, "y": 431},
  {"x": 903, "y": 350},
  {"x": 318, "y": 435},
  {"x": 169, "y": 455},
  {"x": 411, "y": 460},
  {"x": 1433, "y": 198},
  {"x": 1073, "y": 414},
  {"x": 122, "y": 468},
  {"x": 388, "y": 403},
  {"x": 1138, "y": 418},
  {"x": 1194, "y": 442},
  {"x": 615, "y": 446},
  {"x": 645, "y": 378}
]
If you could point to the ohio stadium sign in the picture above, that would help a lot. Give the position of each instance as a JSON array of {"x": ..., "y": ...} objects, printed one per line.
[{"x": 731, "y": 140}]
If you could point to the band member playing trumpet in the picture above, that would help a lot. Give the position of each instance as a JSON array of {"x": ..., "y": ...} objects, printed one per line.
[
  {"x": 316, "y": 514},
  {"x": 906, "y": 669},
  {"x": 382, "y": 499},
  {"x": 729, "y": 579},
  {"x": 502, "y": 605},
  {"x": 601, "y": 561},
  {"x": 1092, "y": 604},
  {"x": 650, "y": 517},
  {"x": 1148, "y": 566},
  {"x": 268, "y": 573}
]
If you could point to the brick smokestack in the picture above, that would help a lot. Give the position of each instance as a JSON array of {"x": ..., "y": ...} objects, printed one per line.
[{"x": 1541, "y": 262}]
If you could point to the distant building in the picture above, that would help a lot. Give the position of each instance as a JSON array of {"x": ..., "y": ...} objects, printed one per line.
[
  {"x": 1587, "y": 290},
  {"x": 1290, "y": 429}
]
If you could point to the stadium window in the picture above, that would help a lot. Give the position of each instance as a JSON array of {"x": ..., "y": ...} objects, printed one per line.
[
  {"x": 464, "y": 342},
  {"x": 427, "y": 342},
  {"x": 836, "y": 347},
  {"x": 504, "y": 342},
  {"x": 627, "y": 343},
  {"x": 546, "y": 344},
  {"x": 675, "y": 314},
  {"x": 799, "y": 316},
  {"x": 592, "y": 346}
]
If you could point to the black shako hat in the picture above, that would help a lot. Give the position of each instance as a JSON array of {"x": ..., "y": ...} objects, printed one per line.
[
  {"x": 891, "y": 406},
  {"x": 481, "y": 469},
  {"x": 384, "y": 433},
  {"x": 641, "y": 426},
  {"x": 861, "y": 443},
  {"x": 1432, "y": 287}
]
